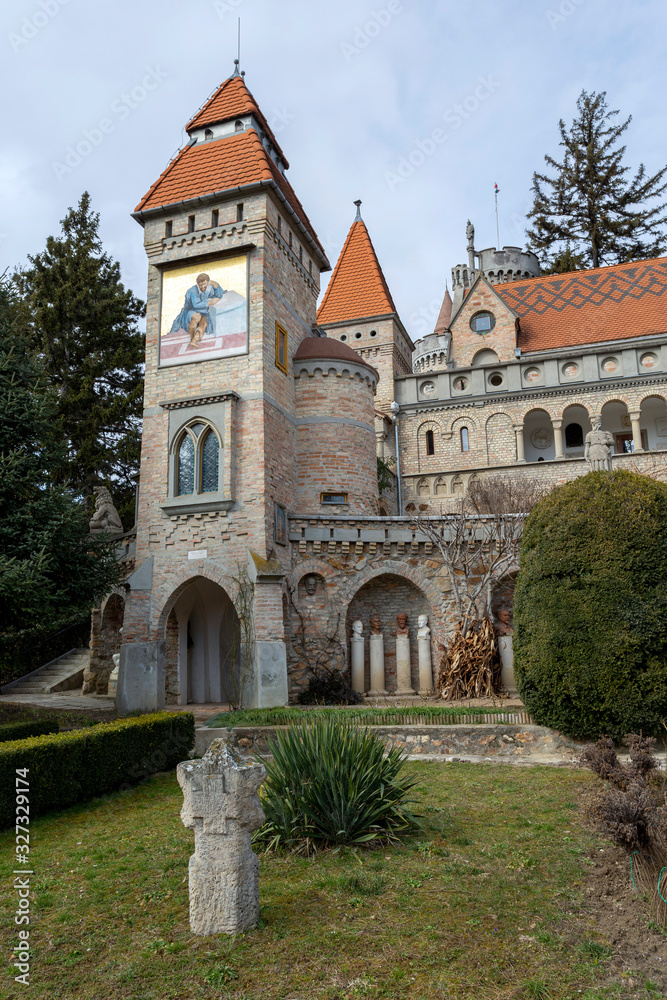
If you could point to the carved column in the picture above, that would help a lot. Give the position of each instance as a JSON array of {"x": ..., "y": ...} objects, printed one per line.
[
  {"x": 377, "y": 666},
  {"x": 357, "y": 645},
  {"x": 635, "y": 416},
  {"x": 558, "y": 437},
  {"x": 520, "y": 455},
  {"x": 403, "y": 672}
]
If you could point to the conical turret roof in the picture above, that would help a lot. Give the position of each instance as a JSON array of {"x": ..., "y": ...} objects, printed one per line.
[{"x": 358, "y": 287}]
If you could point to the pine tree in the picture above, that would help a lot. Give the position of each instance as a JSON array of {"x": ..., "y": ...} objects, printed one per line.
[
  {"x": 51, "y": 570},
  {"x": 80, "y": 319},
  {"x": 591, "y": 212}
]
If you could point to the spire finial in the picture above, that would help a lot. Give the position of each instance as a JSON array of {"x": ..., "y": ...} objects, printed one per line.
[
  {"x": 237, "y": 71},
  {"x": 357, "y": 217}
]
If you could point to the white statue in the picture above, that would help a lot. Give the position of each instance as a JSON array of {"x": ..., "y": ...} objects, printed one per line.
[
  {"x": 357, "y": 656},
  {"x": 424, "y": 647},
  {"x": 597, "y": 451},
  {"x": 106, "y": 516}
]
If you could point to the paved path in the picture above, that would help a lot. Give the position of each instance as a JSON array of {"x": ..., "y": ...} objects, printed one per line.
[{"x": 65, "y": 702}]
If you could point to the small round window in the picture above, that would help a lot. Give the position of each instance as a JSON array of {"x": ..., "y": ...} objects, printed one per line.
[
  {"x": 532, "y": 374},
  {"x": 609, "y": 366},
  {"x": 461, "y": 384},
  {"x": 343, "y": 336},
  {"x": 495, "y": 379},
  {"x": 483, "y": 322},
  {"x": 357, "y": 336},
  {"x": 649, "y": 360},
  {"x": 373, "y": 333},
  {"x": 427, "y": 387},
  {"x": 570, "y": 370}
]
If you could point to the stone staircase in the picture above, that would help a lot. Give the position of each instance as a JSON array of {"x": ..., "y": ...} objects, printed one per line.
[{"x": 62, "y": 674}]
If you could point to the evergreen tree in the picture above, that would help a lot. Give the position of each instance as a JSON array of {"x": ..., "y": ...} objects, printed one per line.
[
  {"x": 590, "y": 211},
  {"x": 51, "y": 570},
  {"x": 81, "y": 320}
]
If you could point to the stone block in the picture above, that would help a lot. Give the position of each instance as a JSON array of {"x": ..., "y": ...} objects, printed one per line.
[
  {"x": 141, "y": 677},
  {"x": 317, "y": 534},
  {"x": 221, "y": 803},
  {"x": 372, "y": 534},
  {"x": 399, "y": 535},
  {"x": 345, "y": 534}
]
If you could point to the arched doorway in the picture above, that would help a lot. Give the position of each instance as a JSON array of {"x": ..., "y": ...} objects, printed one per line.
[
  {"x": 105, "y": 640},
  {"x": 204, "y": 651},
  {"x": 616, "y": 420},
  {"x": 576, "y": 425},
  {"x": 538, "y": 437},
  {"x": 653, "y": 423},
  {"x": 388, "y": 595}
]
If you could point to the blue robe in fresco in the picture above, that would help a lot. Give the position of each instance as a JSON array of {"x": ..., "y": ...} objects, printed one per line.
[{"x": 198, "y": 302}]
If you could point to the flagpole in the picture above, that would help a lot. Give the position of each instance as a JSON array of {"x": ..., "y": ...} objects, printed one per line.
[{"x": 497, "y": 226}]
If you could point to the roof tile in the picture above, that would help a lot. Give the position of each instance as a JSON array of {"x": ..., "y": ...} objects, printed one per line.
[
  {"x": 587, "y": 307},
  {"x": 357, "y": 287},
  {"x": 220, "y": 165}
]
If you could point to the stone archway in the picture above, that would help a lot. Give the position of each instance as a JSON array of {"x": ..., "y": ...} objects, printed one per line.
[
  {"x": 386, "y": 595},
  {"x": 204, "y": 653},
  {"x": 105, "y": 640}
]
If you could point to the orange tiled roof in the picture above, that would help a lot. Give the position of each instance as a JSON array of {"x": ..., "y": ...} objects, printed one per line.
[
  {"x": 231, "y": 100},
  {"x": 588, "y": 307},
  {"x": 445, "y": 315},
  {"x": 357, "y": 287},
  {"x": 219, "y": 165}
]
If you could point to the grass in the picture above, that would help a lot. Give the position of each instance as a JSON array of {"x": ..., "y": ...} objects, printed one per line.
[
  {"x": 475, "y": 906},
  {"x": 389, "y": 715}
]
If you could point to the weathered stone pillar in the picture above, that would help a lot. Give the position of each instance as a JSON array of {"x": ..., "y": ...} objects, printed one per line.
[
  {"x": 357, "y": 645},
  {"x": 377, "y": 659},
  {"x": 403, "y": 672},
  {"x": 424, "y": 645},
  {"x": 221, "y": 804},
  {"x": 520, "y": 454},
  {"x": 558, "y": 437},
  {"x": 635, "y": 416}
]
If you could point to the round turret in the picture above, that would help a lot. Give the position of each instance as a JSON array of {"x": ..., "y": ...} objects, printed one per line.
[{"x": 335, "y": 412}]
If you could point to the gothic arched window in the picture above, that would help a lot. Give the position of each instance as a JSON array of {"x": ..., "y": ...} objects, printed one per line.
[
  {"x": 197, "y": 460},
  {"x": 465, "y": 440},
  {"x": 430, "y": 443}
]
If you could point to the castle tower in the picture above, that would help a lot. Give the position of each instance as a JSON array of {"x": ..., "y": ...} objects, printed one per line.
[
  {"x": 233, "y": 279},
  {"x": 358, "y": 310},
  {"x": 497, "y": 266},
  {"x": 432, "y": 352}
]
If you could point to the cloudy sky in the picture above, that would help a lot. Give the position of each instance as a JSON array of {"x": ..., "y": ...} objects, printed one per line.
[{"x": 415, "y": 106}]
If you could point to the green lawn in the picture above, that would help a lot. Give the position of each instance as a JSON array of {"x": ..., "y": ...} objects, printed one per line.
[{"x": 444, "y": 917}]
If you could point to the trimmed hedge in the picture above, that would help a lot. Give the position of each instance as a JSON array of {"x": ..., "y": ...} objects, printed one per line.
[
  {"x": 76, "y": 766},
  {"x": 22, "y": 730},
  {"x": 590, "y": 609}
]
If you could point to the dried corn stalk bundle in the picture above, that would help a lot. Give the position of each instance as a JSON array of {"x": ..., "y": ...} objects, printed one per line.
[{"x": 470, "y": 665}]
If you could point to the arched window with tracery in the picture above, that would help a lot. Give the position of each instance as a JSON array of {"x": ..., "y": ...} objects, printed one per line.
[{"x": 197, "y": 460}]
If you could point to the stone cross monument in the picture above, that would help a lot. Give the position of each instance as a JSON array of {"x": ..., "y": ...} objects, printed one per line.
[{"x": 221, "y": 803}]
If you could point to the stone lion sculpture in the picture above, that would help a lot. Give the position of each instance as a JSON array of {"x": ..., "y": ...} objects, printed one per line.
[{"x": 106, "y": 516}]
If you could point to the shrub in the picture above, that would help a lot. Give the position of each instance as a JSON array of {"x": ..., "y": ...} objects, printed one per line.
[
  {"x": 22, "y": 730},
  {"x": 329, "y": 687},
  {"x": 71, "y": 767},
  {"x": 590, "y": 611},
  {"x": 331, "y": 784}
]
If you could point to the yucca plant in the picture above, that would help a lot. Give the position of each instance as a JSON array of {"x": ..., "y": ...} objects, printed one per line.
[{"x": 331, "y": 784}]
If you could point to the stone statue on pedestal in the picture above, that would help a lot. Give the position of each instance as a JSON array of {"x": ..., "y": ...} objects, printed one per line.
[
  {"x": 597, "y": 450},
  {"x": 403, "y": 671},
  {"x": 106, "y": 516},
  {"x": 424, "y": 645},
  {"x": 357, "y": 657},
  {"x": 377, "y": 658}
]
